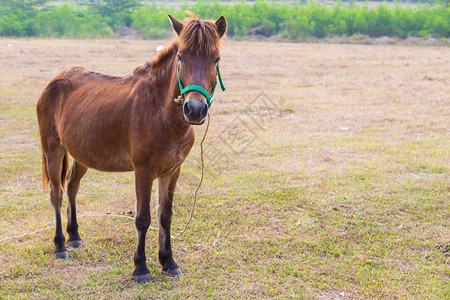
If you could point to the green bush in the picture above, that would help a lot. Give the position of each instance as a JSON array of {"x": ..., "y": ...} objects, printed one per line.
[
  {"x": 294, "y": 21},
  {"x": 12, "y": 25},
  {"x": 67, "y": 21}
]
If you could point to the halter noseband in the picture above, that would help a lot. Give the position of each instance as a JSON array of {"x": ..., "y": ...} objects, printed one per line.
[{"x": 194, "y": 87}]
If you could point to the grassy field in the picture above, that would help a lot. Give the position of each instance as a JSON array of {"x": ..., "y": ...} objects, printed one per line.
[{"x": 327, "y": 177}]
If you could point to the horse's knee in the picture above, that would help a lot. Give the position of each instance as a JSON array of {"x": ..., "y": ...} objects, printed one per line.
[
  {"x": 143, "y": 221},
  {"x": 56, "y": 196},
  {"x": 165, "y": 220}
]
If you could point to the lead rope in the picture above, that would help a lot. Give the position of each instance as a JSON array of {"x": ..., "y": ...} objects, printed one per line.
[{"x": 199, "y": 184}]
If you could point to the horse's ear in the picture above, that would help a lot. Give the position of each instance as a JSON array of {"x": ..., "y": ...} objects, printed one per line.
[
  {"x": 221, "y": 26},
  {"x": 176, "y": 25}
]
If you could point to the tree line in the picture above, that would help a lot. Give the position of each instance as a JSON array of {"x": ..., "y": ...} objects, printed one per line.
[{"x": 102, "y": 18}]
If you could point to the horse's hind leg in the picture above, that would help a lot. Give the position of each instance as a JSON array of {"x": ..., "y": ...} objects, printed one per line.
[
  {"x": 55, "y": 156},
  {"x": 76, "y": 173}
]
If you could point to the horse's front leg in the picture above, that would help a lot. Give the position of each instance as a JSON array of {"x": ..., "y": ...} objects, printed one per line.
[
  {"x": 144, "y": 181},
  {"x": 166, "y": 189}
]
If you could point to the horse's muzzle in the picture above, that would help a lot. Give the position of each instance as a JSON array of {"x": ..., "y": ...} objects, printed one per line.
[{"x": 195, "y": 111}]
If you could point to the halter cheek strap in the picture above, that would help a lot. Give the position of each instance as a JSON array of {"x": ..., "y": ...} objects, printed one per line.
[{"x": 200, "y": 89}]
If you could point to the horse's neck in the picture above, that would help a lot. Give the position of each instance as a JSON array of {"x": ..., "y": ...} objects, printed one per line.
[{"x": 164, "y": 68}]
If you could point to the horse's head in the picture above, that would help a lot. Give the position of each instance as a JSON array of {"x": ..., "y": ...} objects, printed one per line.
[{"x": 198, "y": 64}]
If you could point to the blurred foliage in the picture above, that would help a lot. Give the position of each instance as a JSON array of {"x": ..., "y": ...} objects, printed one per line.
[
  {"x": 118, "y": 11},
  {"x": 293, "y": 21}
]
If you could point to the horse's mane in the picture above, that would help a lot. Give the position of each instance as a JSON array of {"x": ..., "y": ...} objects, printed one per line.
[
  {"x": 159, "y": 61},
  {"x": 200, "y": 35},
  {"x": 196, "y": 34}
]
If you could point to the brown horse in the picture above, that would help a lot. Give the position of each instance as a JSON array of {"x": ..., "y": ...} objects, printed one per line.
[{"x": 130, "y": 123}]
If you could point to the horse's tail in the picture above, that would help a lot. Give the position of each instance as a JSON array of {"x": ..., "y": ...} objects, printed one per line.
[
  {"x": 45, "y": 178},
  {"x": 64, "y": 170}
]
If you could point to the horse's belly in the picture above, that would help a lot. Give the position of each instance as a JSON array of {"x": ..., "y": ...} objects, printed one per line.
[
  {"x": 100, "y": 160},
  {"x": 97, "y": 152},
  {"x": 115, "y": 164}
]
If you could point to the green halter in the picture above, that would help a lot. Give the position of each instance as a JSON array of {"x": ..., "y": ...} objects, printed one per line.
[{"x": 194, "y": 87}]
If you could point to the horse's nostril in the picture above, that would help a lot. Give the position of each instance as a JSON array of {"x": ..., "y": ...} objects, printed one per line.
[
  {"x": 186, "y": 109},
  {"x": 204, "y": 110}
]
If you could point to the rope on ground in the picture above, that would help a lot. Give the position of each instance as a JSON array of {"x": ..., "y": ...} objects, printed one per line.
[{"x": 25, "y": 234}]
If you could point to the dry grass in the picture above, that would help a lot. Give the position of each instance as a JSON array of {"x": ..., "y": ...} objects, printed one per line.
[{"x": 340, "y": 187}]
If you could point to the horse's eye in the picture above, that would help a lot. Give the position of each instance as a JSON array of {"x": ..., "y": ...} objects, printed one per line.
[
  {"x": 179, "y": 59},
  {"x": 217, "y": 61}
]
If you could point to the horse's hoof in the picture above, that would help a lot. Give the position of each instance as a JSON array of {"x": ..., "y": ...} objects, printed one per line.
[
  {"x": 142, "y": 278},
  {"x": 74, "y": 244},
  {"x": 62, "y": 255},
  {"x": 172, "y": 272}
]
